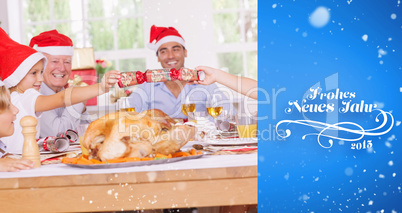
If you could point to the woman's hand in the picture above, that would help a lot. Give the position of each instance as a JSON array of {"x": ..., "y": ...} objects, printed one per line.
[
  {"x": 14, "y": 165},
  {"x": 109, "y": 79},
  {"x": 210, "y": 75}
]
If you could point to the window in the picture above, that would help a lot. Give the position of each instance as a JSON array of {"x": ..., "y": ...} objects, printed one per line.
[
  {"x": 235, "y": 26},
  {"x": 119, "y": 29},
  {"x": 113, "y": 27}
]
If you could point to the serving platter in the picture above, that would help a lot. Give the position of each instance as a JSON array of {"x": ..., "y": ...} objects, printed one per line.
[{"x": 135, "y": 163}]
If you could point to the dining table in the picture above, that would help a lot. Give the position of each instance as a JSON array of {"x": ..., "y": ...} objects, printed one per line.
[{"x": 209, "y": 180}]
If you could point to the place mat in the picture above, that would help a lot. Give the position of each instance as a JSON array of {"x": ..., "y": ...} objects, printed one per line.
[
  {"x": 50, "y": 158},
  {"x": 136, "y": 163}
]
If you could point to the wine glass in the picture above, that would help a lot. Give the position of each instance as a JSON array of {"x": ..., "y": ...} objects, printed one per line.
[
  {"x": 188, "y": 107},
  {"x": 124, "y": 105},
  {"x": 214, "y": 105}
]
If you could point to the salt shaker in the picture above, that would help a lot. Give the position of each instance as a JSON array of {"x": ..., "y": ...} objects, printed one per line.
[{"x": 30, "y": 150}]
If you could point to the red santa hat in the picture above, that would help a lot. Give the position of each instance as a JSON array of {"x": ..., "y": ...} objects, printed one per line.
[
  {"x": 163, "y": 35},
  {"x": 16, "y": 60},
  {"x": 53, "y": 43}
]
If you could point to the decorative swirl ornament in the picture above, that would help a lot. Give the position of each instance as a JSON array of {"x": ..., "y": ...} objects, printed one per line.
[{"x": 359, "y": 131}]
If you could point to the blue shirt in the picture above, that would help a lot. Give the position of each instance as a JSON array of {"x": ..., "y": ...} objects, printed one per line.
[{"x": 158, "y": 96}]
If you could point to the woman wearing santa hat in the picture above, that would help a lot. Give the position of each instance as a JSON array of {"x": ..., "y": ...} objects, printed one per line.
[
  {"x": 21, "y": 70},
  {"x": 58, "y": 50}
]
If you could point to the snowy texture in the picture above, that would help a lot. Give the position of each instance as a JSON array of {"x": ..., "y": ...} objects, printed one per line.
[
  {"x": 380, "y": 105},
  {"x": 286, "y": 176},
  {"x": 320, "y": 17},
  {"x": 381, "y": 53},
  {"x": 365, "y": 37},
  {"x": 348, "y": 171}
]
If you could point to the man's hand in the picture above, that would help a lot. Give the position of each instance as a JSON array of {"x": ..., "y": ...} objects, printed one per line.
[{"x": 109, "y": 79}]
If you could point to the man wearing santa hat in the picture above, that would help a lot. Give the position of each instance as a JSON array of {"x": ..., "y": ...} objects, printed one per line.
[
  {"x": 170, "y": 49},
  {"x": 58, "y": 50}
]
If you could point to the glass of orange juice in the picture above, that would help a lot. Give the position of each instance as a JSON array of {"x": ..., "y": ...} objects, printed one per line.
[{"x": 246, "y": 125}]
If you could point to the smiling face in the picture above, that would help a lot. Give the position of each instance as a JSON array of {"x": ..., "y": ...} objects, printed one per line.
[
  {"x": 33, "y": 79},
  {"x": 171, "y": 55},
  {"x": 57, "y": 71},
  {"x": 8, "y": 114}
]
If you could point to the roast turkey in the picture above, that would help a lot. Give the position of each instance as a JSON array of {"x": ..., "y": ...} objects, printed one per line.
[{"x": 131, "y": 134}]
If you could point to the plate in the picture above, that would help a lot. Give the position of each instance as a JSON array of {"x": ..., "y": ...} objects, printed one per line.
[
  {"x": 233, "y": 142},
  {"x": 136, "y": 163},
  {"x": 229, "y": 134}
]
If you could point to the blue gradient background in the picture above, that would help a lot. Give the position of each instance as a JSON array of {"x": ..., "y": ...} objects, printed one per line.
[{"x": 298, "y": 175}]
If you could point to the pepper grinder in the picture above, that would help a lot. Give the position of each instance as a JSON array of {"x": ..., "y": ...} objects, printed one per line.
[{"x": 30, "y": 149}]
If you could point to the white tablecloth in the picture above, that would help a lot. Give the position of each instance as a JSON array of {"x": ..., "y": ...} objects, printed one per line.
[{"x": 207, "y": 161}]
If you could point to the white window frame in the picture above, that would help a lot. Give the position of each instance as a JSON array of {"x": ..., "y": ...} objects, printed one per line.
[{"x": 243, "y": 47}]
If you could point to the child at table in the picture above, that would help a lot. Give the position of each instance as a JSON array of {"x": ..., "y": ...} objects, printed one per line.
[
  {"x": 21, "y": 70},
  {"x": 8, "y": 114}
]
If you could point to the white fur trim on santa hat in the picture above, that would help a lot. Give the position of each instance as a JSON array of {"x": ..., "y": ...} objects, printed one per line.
[
  {"x": 1, "y": 83},
  {"x": 57, "y": 50},
  {"x": 23, "y": 69},
  {"x": 166, "y": 39}
]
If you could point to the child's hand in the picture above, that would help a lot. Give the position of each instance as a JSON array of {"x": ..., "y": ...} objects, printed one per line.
[
  {"x": 14, "y": 165},
  {"x": 109, "y": 79},
  {"x": 210, "y": 75}
]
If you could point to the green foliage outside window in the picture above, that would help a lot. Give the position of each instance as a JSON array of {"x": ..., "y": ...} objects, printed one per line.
[
  {"x": 226, "y": 4},
  {"x": 36, "y": 10},
  {"x": 252, "y": 64},
  {"x": 61, "y": 9},
  {"x": 95, "y": 9},
  {"x": 100, "y": 32},
  {"x": 227, "y": 28},
  {"x": 130, "y": 33},
  {"x": 137, "y": 64},
  {"x": 232, "y": 62},
  {"x": 101, "y": 35}
]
